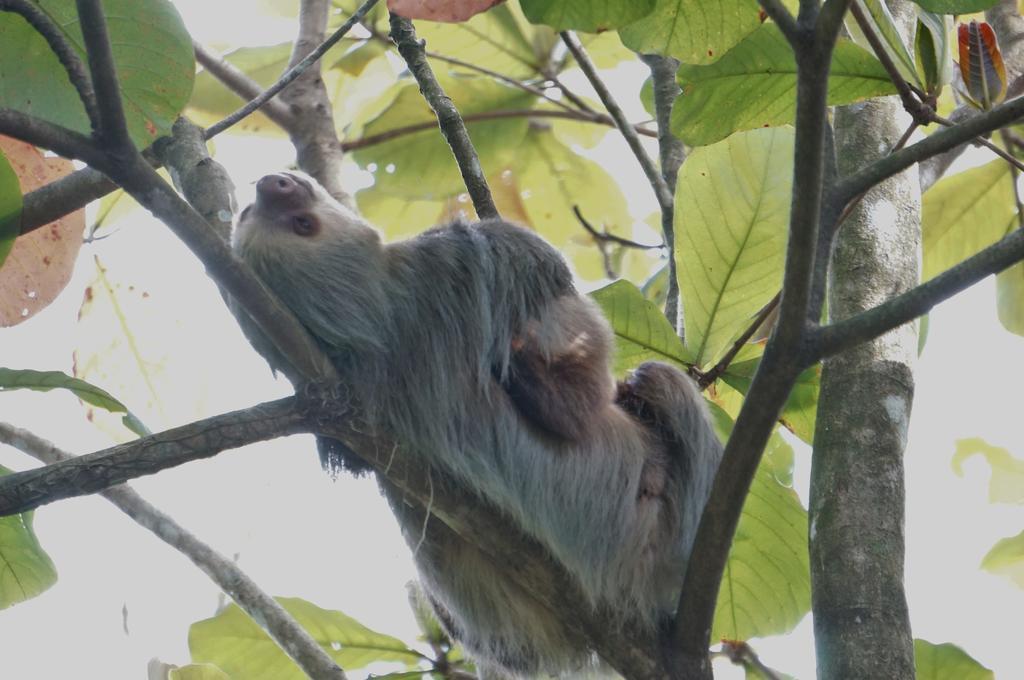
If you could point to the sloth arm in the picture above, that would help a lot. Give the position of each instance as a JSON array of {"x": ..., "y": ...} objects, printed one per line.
[{"x": 558, "y": 376}]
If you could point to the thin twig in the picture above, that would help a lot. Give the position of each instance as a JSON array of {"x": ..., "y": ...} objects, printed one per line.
[
  {"x": 576, "y": 100},
  {"x": 452, "y": 126},
  {"x": 501, "y": 77},
  {"x": 716, "y": 371},
  {"x": 241, "y": 84},
  {"x": 292, "y": 73},
  {"x": 661, "y": 190},
  {"x": 261, "y": 608},
  {"x": 606, "y": 236},
  {"x": 393, "y": 133},
  {"x": 62, "y": 48}
]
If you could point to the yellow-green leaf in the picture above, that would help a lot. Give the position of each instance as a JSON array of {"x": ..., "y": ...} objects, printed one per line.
[
  {"x": 1007, "y": 482},
  {"x": 946, "y": 662},
  {"x": 766, "y": 588},
  {"x": 754, "y": 85},
  {"x": 591, "y": 16},
  {"x": 10, "y": 207},
  {"x": 964, "y": 213},
  {"x": 1006, "y": 558},
  {"x": 692, "y": 31},
  {"x": 236, "y": 645},
  {"x": 732, "y": 213},
  {"x": 642, "y": 333},
  {"x": 1010, "y": 298},
  {"x": 25, "y": 568}
]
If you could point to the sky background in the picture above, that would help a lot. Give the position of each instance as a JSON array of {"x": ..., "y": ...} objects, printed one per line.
[{"x": 124, "y": 597}]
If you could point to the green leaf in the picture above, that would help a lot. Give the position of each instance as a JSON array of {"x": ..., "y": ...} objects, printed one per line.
[
  {"x": 591, "y": 16},
  {"x": 355, "y": 61},
  {"x": 647, "y": 96},
  {"x": 44, "y": 381},
  {"x": 692, "y": 31},
  {"x": 800, "y": 411},
  {"x": 956, "y": 6},
  {"x": 931, "y": 50},
  {"x": 642, "y": 333},
  {"x": 1010, "y": 298},
  {"x": 766, "y": 588},
  {"x": 1007, "y": 482},
  {"x": 731, "y": 214},
  {"x": 239, "y": 647},
  {"x": 198, "y": 671},
  {"x": 877, "y": 14},
  {"x": 10, "y": 207},
  {"x": 25, "y": 568},
  {"x": 946, "y": 662},
  {"x": 1006, "y": 558},
  {"x": 754, "y": 86},
  {"x": 152, "y": 50},
  {"x": 964, "y": 213}
]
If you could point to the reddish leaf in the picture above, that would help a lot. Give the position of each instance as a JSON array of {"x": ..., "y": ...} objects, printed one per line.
[
  {"x": 40, "y": 263},
  {"x": 981, "y": 64},
  {"x": 452, "y": 11}
]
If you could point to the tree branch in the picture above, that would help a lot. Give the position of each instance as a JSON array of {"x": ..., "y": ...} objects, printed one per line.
[
  {"x": 460, "y": 516},
  {"x": 672, "y": 153},
  {"x": 65, "y": 53},
  {"x": 112, "y": 131},
  {"x": 941, "y": 141},
  {"x": 452, "y": 126},
  {"x": 779, "y": 366},
  {"x": 867, "y": 325},
  {"x": 261, "y": 608},
  {"x": 60, "y": 197},
  {"x": 94, "y": 472},
  {"x": 41, "y": 133}
]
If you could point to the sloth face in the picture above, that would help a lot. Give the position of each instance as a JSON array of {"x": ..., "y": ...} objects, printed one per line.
[{"x": 292, "y": 211}]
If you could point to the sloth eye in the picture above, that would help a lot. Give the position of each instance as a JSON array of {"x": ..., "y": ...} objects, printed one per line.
[{"x": 303, "y": 225}]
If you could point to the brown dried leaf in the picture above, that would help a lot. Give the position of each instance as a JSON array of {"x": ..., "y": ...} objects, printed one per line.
[
  {"x": 452, "y": 11},
  {"x": 40, "y": 263}
]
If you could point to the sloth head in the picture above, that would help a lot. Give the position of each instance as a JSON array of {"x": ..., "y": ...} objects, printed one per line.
[{"x": 292, "y": 213}]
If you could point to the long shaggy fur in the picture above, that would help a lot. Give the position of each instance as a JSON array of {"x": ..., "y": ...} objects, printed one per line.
[{"x": 469, "y": 345}]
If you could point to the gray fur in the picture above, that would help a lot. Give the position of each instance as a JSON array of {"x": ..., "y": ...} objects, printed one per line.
[{"x": 425, "y": 334}]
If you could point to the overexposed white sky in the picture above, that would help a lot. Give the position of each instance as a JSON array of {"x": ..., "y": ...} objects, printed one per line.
[{"x": 297, "y": 533}]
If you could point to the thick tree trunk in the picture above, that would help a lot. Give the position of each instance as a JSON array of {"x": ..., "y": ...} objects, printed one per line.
[{"x": 861, "y": 623}]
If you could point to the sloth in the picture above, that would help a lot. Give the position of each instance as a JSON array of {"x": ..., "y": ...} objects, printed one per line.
[{"x": 469, "y": 345}]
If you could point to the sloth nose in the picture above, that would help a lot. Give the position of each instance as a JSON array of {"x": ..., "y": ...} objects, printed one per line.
[{"x": 279, "y": 190}]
